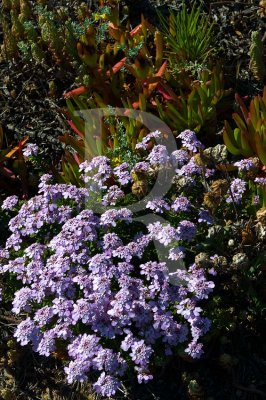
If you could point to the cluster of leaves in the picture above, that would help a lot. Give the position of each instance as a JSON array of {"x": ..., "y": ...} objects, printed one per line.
[
  {"x": 128, "y": 71},
  {"x": 42, "y": 33},
  {"x": 249, "y": 138}
]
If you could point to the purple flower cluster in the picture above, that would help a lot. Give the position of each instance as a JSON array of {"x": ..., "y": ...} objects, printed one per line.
[
  {"x": 87, "y": 273},
  {"x": 143, "y": 145},
  {"x": 9, "y": 203},
  {"x": 158, "y": 205},
  {"x": 181, "y": 203},
  {"x": 236, "y": 191},
  {"x": 190, "y": 141},
  {"x": 114, "y": 193},
  {"x": 96, "y": 172},
  {"x": 244, "y": 165},
  {"x": 84, "y": 271},
  {"x": 261, "y": 181},
  {"x": 122, "y": 174},
  {"x": 30, "y": 150},
  {"x": 158, "y": 156}
]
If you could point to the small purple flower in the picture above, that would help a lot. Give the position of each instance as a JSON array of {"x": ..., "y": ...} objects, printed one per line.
[
  {"x": 256, "y": 199},
  {"x": 244, "y": 165},
  {"x": 106, "y": 385},
  {"x": 178, "y": 158},
  {"x": 260, "y": 181},
  {"x": 140, "y": 353},
  {"x": 122, "y": 174},
  {"x": 26, "y": 332},
  {"x": 141, "y": 166},
  {"x": 47, "y": 343},
  {"x": 158, "y": 156},
  {"x": 77, "y": 370},
  {"x": 96, "y": 172},
  {"x": 204, "y": 216},
  {"x": 190, "y": 141},
  {"x": 194, "y": 349},
  {"x": 158, "y": 205},
  {"x": 186, "y": 230},
  {"x": 181, "y": 203},
  {"x": 145, "y": 141},
  {"x": 110, "y": 217},
  {"x": 30, "y": 150},
  {"x": 113, "y": 195},
  {"x": 190, "y": 169},
  {"x": 9, "y": 203},
  {"x": 176, "y": 253},
  {"x": 237, "y": 189}
]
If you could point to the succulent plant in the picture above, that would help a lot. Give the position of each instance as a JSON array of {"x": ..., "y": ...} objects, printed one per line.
[
  {"x": 249, "y": 138},
  {"x": 257, "y": 58}
]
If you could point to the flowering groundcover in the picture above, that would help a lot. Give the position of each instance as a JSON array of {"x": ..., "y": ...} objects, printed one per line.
[{"x": 118, "y": 295}]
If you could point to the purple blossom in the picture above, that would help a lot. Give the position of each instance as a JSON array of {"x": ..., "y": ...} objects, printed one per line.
[
  {"x": 178, "y": 158},
  {"x": 47, "y": 343},
  {"x": 140, "y": 353},
  {"x": 189, "y": 169},
  {"x": 143, "y": 145},
  {"x": 30, "y": 150},
  {"x": 260, "y": 181},
  {"x": 158, "y": 156},
  {"x": 163, "y": 233},
  {"x": 110, "y": 217},
  {"x": 190, "y": 141},
  {"x": 181, "y": 203},
  {"x": 76, "y": 267},
  {"x": 122, "y": 174},
  {"x": 256, "y": 199},
  {"x": 186, "y": 230},
  {"x": 96, "y": 172},
  {"x": 106, "y": 385},
  {"x": 141, "y": 166},
  {"x": 26, "y": 332},
  {"x": 10, "y": 203},
  {"x": 77, "y": 371},
  {"x": 237, "y": 189},
  {"x": 176, "y": 253},
  {"x": 244, "y": 165},
  {"x": 113, "y": 195},
  {"x": 158, "y": 205},
  {"x": 204, "y": 216},
  {"x": 194, "y": 349}
]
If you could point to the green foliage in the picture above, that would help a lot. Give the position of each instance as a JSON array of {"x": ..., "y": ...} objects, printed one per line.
[
  {"x": 249, "y": 138},
  {"x": 189, "y": 36},
  {"x": 197, "y": 108},
  {"x": 43, "y": 34},
  {"x": 257, "y": 57}
]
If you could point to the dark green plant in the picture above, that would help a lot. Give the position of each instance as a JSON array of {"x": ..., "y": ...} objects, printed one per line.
[
  {"x": 257, "y": 58},
  {"x": 189, "y": 36}
]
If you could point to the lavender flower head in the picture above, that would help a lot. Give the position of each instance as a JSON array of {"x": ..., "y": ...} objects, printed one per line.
[
  {"x": 96, "y": 172},
  {"x": 261, "y": 181},
  {"x": 143, "y": 145},
  {"x": 158, "y": 156},
  {"x": 10, "y": 203},
  {"x": 244, "y": 165},
  {"x": 190, "y": 141},
  {"x": 237, "y": 189},
  {"x": 30, "y": 150}
]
